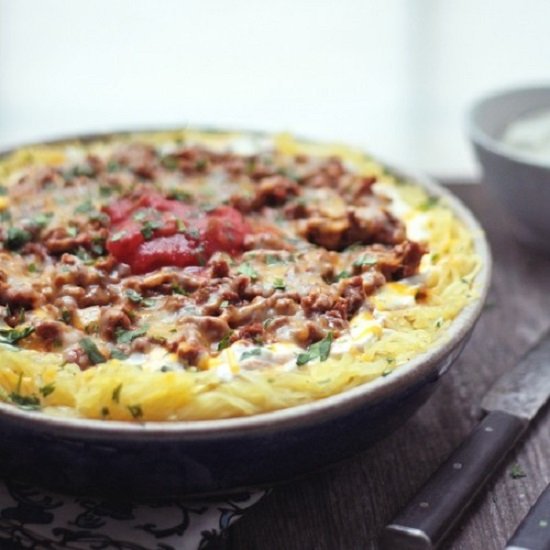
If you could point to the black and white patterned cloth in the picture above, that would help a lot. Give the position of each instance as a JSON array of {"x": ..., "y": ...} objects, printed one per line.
[{"x": 32, "y": 518}]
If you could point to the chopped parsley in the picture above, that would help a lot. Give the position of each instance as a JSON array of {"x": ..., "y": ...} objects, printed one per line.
[
  {"x": 178, "y": 289},
  {"x": 279, "y": 284},
  {"x": 136, "y": 411},
  {"x": 516, "y": 472},
  {"x": 365, "y": 260},
  {"x": 13, "y": 335},
  {"x": 342, "y": 275},
  {"x": 84, "y": 207},
  {"x": 248, "y": 270},
  {"x": 72, "y": 231},
  {"x": 28, "y": 402},
  {"x": 135, "y": 297},
  {"x": 66, "y": 316},
  {"x": 17, "y": 237},
  {"x": 224, "y": 304},
  {"x": 225, "y": 341},
  {"x": 250, "y": 353},
  {"x": 148, "y": 229},
  {"x": 93, "y": 353},
  {"x": 117, "y": 354},
  {"x": 42, "y": 220},
  {"x": 170, "y": 162},
  {"x": 180, "y": 195},
  {"x": 272, "y": 259},
  {"x": 113, "y": 166},
  {"x": 320, "y": 350},
  {"x": 128, "y": 336},
  {"x": 105, "y": 191},
  {"x": 430, "y": 202},
  {"x": 47, "y": 389},
  {"x": 115, "y": 396}
]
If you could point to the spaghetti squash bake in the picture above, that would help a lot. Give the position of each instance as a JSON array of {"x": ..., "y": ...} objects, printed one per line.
[{"x": 201, "y": 274}]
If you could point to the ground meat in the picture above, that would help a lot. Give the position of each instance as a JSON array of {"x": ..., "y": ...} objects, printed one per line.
[
  {"x": 111, "y": 319},
  {"x": 58, "y": 240},
  {"x": 274, "y": 191},
  {"x": 21, "y": 296},
  {"x": 399, "y": 261},
  {"x": 138, "y": 157},
  {"x": 364, "y": 225},
  {"x": 353, "y": 291},
  {"x": 49, "y": 331},
  {"x": 303, "y": 216}
]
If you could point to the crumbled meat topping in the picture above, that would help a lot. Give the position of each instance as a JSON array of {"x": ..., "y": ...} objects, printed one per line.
[{"x": 192, "y": 250}]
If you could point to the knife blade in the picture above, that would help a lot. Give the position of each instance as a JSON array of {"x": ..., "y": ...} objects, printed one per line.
[{"x": 511, "y": 403}]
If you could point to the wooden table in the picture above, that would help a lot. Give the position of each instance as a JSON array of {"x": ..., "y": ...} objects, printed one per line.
[{"x": 347, "y": 506}]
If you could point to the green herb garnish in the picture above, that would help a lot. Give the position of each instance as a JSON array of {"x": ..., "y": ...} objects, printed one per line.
[
  {"x": 5, "y": 216},
  {"x": 170, "y": 162},
  {"x": 271, "y": 259},
  {"x": 516, "y": 472},
  {"x": 320, "y": 350},
  {"x": 128, "y": 336},
  {"x": 135, "y": 297},
  {"x": 225, "y": 341},
  {"x": 251, "y": 353},
  {"x": 136, "y": 411},
  {"x": 3, "y": 190},
  {"x": 279, "y": 284},
  {"x": 178, "y": 289},
  {"x": 105, "y": 191},
  {"x": 148, "y": 229},
  {"x": 117, "y": 354},
  {"x": 84, "y": 207},
  {"x": 16, "y": 238},
  {"x": 93, "y": 353},
  {"x": 42, "y": 220},
  {"x": 28, "y": 402},
  {"x": 115, "y": 396},
  {"x": 113, "y": 166},
  {"x": 365, "y": 260},
  {"x": 342, "y": 275},
  {"x": 13, "y": 335},
  {"x": 248, "y": 270},
  {"x": 47, "y": 389},
  {"x": 430, "y": 202},
  {"x": 180, "y": 195}
]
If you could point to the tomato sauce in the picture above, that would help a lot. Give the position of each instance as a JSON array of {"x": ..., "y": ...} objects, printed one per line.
[{"x": 151, "y": 231}]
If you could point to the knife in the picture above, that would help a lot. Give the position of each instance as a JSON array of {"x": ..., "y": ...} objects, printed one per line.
[
  {"x": 510, "y": 404},
  {"x": 533, "y": 532}
]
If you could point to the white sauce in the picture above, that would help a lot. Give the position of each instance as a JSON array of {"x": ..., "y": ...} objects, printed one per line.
[{"x": 530, "y": 135}]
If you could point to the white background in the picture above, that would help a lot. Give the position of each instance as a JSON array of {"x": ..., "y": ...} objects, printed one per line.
[{"x": 394, "y": 76}]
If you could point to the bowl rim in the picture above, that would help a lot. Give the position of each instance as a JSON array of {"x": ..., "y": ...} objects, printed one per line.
[
  {"x": 481, "y": 138},
  {"x": 420, "y": 367}
]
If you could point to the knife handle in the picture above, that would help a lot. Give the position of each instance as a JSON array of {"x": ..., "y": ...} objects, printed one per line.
[
  {"x": 533, "y": 532},
  {"x": 438, "y": 505}
]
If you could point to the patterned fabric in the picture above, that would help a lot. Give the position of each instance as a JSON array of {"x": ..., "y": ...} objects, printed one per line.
[{"x": 31, "y": 518}]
